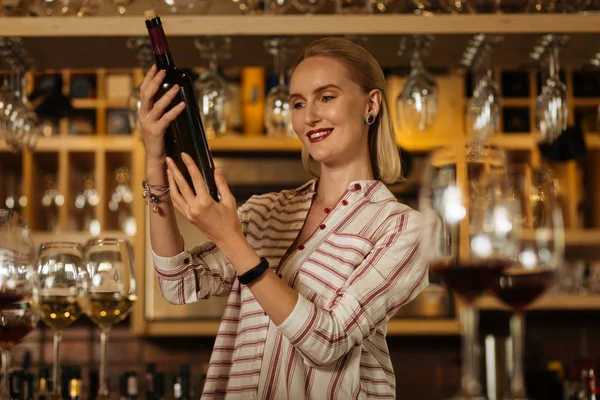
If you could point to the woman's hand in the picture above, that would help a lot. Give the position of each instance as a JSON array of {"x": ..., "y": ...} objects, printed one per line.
[
  {"x": 217, "y": 220},
  {"x": 153, "y": 119}
]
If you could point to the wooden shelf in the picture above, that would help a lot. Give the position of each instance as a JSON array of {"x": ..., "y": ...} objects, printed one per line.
[
  {"x": 254, "y": 143},
  {"x": 242, "y": 143},
  {"x": 547, "y": 302},
  {"x": 304, "y": 25},
  {"x": 396, "y": 327},
  {"x": 82, "y": 143},
  {"x": 423, "y": 327},
  {"x": 39, "y": 237},
  {"x": 582, "y": 244}
]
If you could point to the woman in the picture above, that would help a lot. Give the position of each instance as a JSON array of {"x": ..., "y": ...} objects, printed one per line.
[{"x": 340, "y": 253}]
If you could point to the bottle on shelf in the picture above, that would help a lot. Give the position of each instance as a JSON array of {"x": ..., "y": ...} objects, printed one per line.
[
  {"x": 588, "y": 383},
  {"x": 150, "y": 380},
  {"x": 186, "y": 133},
  {"x": 93, "y": 383},
  {"x": 75, "y": 384},
  {"x": 131, "y": 385},
  {"x": 43, "y": 382},
  {"x": 181, "y": 384}
]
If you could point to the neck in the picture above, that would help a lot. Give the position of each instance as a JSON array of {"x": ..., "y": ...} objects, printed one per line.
[
  {"x": 335, "y": 181},
  {"x": 164, "y": 61}
]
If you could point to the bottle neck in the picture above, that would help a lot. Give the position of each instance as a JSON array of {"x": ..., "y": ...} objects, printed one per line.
[{"x": 164, "y": 60}]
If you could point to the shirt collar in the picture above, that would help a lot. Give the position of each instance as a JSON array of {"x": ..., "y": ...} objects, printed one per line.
[{"x": 373, "y": 190}]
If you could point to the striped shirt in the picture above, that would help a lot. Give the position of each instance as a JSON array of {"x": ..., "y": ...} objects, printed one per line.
[{"x": 352, "y": 274}]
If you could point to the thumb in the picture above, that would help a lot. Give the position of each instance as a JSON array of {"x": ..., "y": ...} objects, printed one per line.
[{"x": 227, "y": 197}]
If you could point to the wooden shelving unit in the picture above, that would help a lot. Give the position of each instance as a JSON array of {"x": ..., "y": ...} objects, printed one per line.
[
  {"x": 396, "y": 327},
  {"x": 82, "y": 39},
  {"x": 238, "y": 25},
  {"x": 547, "y": 302}
]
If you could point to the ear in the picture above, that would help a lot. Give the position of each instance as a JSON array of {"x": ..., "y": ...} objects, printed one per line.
[{"x": 373, "y": 102}]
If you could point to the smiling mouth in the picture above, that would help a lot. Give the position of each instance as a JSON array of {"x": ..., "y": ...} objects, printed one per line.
[{"x": 319, "y": 136}]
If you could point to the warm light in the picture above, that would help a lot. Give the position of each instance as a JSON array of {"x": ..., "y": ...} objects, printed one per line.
[
  {"x": 453, "y": 209},
  {"x": 528, "y": 259},
  {"x": 481, "y": 246}
]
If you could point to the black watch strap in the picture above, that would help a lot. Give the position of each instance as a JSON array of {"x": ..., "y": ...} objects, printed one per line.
[{"x": 254, "y": 273}]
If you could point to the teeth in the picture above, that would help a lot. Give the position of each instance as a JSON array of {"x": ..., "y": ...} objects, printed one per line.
[{"x": 319, "y": 134}]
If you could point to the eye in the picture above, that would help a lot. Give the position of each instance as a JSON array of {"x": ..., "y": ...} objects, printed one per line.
[
  {"x": 298, "y": 105},
  {"x": 326, "y": 98}
]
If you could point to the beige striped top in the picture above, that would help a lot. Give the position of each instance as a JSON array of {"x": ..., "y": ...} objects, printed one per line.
[{"x": 352, "y": 274}]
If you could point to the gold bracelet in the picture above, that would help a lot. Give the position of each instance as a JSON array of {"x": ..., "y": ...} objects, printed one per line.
[{"x": 154, "y": 198}]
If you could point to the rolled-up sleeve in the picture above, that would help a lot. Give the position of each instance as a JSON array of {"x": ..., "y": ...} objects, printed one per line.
[
  {"x": 197, "y": 274},
  {"x": 391, "y": 275}
]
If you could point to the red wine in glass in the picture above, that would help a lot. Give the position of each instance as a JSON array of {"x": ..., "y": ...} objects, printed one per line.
[
  {"x": 472, "y": 279},
  {"x": 10, "y": 296},
  {"x": 12, "y": 332},
  {"x": 518, "y": 288}
]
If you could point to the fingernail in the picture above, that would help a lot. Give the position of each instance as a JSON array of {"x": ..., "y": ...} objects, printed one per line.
[
  {"x": 175, "y": 87},
  {"x": 169, "y": 160},
  {"x": 182, "y": 104}
]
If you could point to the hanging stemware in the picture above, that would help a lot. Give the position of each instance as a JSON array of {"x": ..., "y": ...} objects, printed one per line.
[
  {"x": 142, "y": 49},
  {"x": 212, "y": 92},
  {"x": 278, "y": 111},
  {"x": 551, "y": 109},
  {"x": 417, "y": 102}
]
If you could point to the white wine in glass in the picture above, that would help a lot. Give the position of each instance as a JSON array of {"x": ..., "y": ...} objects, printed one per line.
[
  {"x": 109, "y": 291},
  {"x": 59, "y": 274}
]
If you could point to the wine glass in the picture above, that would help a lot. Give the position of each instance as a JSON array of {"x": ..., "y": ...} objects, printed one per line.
[
  {"x": 551, "y": 110},
  {"x": 309, "y": 7},
  {"x": 59, "y": 274},
  {"x": 417, "y": 102},
  {"x": 109, "y": 291},
  {"x": 278, "y": 110},
  {"x": 463, "y": 200},
  {"x": 212, "y": 93},
  {"x": 18, "y": 288},
  {"x": 540, "y": 252}
]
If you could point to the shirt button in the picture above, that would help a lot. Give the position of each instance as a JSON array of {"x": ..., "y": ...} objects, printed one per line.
[
  {"x": 345, "y": 202},
  {"x": 322, "y": 226},
  {"x": 280, "y": 276},
  {"x": 186, "y": 261},
  {"x": 357, "y": 186},
  {"x": 301, "y": 247}
]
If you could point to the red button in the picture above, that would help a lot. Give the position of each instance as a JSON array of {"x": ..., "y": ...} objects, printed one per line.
[
  {"x": 301, "y": 247},
  {"x": 280, "y": 276},
  {"x": 357, "y": 186},
  {"x": 345, "y": 202},
  {"x": 322, "y": 226}
]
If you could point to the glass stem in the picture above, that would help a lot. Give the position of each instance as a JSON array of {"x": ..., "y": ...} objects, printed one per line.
[
  {"x": 55, "y": 370},
  {"x": 517, "y": 332},
  {"x": 5, "y": 391},
  {"x": 103, "y": 384},
  {"x": 469, "y": 320}
]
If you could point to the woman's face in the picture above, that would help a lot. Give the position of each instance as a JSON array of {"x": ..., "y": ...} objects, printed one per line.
[{"x": 328, "y": 111}]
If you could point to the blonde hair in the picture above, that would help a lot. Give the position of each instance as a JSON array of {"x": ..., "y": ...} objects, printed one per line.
[{"x": 363, "y": 70}]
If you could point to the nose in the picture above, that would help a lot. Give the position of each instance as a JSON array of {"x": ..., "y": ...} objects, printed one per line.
[{"x": 311, "y": 115}]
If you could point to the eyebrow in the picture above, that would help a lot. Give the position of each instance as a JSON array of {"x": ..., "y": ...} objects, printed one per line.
[{"x": 317, "y": 90}]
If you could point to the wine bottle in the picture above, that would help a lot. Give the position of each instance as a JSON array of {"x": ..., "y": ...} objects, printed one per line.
[{"x": 186, "y": 133}]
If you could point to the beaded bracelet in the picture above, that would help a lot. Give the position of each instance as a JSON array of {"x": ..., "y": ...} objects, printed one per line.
[{"x": 154, "y": 198}]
